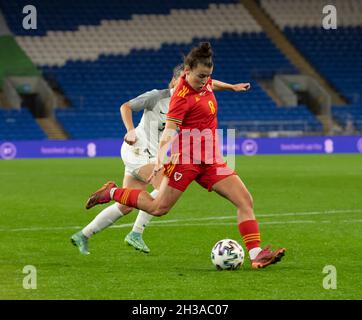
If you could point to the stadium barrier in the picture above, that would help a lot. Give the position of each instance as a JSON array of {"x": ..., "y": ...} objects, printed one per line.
[{"x": 241, "y": 146}]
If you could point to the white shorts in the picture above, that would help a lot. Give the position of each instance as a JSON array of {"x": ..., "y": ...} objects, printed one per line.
[{"x": 134, "y": 157}]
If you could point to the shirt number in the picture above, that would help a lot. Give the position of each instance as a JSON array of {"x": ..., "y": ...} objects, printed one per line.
[{"x": 212, "y": 107}]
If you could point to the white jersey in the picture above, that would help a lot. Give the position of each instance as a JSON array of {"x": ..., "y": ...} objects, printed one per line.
[{"x": 155, "y": 104}]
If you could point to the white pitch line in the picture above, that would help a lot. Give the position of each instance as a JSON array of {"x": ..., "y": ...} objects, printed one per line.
[
  {"x": 181, "y": 222},
  {"x": 352, "y": 220},
  {"x": 308, "y": 213},
  {"x": 233, "y": 223},
  {"x": 257, "y": 216},
  {"x": 260, "y": 223}
]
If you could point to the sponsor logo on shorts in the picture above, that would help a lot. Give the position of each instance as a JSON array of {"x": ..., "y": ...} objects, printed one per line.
[{"x": 177, "y": 176}]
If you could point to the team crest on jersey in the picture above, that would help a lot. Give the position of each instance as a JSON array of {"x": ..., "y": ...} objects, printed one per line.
[
  {"x": 197, "y": 99},
  {"x": 177, "y": 176}
]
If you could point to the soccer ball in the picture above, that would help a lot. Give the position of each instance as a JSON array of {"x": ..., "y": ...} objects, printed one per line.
[{"x": 227, "y": 254}]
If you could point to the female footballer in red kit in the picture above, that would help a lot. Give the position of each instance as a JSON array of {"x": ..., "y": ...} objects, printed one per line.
[{"x": 192, "y": 118}]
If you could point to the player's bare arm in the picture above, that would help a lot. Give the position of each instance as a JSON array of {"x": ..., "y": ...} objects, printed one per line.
[
  {"x": 222, "y": 86},
  {"x": 167, "y": 137},
  {"x": 126, "y": 113}
]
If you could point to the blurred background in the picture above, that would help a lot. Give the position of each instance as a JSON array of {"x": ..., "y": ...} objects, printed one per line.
[{"x": 64, "y": 73}]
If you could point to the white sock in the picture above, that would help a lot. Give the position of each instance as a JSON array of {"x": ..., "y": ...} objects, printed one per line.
[
  {"x": 103, "y": 220},
  {"x": 111, "y": 192},
  {"x": 143, "y": 217},
  {"x": 254, "y": 252}
]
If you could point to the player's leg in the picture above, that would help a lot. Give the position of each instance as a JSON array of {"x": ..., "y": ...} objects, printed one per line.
[
  {"x": 105, "y": 218},
  {"x": 234, "y": 190},
  {"x": 176, "y": 179},
  {"x": 171, "y": 189},
  {"x": 143, "y": 217},
  {"x": 112, "y": 213},
  {"x": 132, "y": 162},
  {"x": 134, "y": 237},
  {"x": 159, "y": 206}
]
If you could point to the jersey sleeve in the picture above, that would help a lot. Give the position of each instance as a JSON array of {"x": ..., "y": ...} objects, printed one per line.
[
  {"x": 148, "y": 100},
  {"x": 177, "y": 109}
]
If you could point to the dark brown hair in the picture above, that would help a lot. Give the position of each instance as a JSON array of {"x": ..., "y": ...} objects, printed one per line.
[{"x": 202, "y": 54}]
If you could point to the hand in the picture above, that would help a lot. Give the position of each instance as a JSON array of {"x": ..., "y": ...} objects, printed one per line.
[
  {"x": 130, "y": 137},
  {"x": 241, "y": 87}
]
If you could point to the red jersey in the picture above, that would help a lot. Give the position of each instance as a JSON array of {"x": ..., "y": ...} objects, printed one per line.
[{"x": 195, "y": 114}]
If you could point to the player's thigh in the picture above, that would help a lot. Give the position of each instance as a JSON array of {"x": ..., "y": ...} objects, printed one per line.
[
  {"x": 137, "y": 164},
  {"x": 176, "y": 179},
  {"x": 145, "y": 171},
  {"x": 233, "y": 189},
  {"x": 157, "y": 180},
  {"x": 133, "y": 183}
]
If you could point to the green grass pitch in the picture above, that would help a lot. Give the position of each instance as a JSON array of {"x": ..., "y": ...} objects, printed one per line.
[{"x": 311, "y": 204}]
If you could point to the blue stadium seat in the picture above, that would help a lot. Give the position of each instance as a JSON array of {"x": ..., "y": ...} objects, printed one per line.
[
  {"x": 19, "y": 125},
  {"x": 97, "y": 88},
  {"x": 336, "y": 54}
]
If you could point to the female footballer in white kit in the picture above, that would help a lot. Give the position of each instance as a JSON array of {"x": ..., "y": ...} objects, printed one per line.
[{"x": 138, "y": 154}]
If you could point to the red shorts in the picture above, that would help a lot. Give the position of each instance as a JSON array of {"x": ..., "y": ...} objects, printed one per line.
[{"x": 206, "y": 175}]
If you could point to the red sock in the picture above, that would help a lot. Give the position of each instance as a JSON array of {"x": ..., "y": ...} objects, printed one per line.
[
  {"x": 127, "y": 196},
  {"x": 249, "y": 230}
]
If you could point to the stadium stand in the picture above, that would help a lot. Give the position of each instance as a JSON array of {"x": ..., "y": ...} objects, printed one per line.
[
  {"x": 105, "y": 52},
  {"x": 68, "y": 15},
  {"x": 335, "y": 53},
  {"x": 19, "y": 125}
]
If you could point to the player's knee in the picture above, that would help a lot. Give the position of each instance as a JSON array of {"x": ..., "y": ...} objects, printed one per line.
[{"x": 161, "y": 210}]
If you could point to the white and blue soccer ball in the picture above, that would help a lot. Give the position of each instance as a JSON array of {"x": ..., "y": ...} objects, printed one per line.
[{"x": 227, "y": 254}]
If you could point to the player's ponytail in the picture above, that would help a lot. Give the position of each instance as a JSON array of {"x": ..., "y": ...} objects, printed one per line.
[{"x": 202, "y": 54}]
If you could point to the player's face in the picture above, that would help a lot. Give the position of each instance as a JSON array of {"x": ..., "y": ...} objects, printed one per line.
[{"x": 198, "y": 76}]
